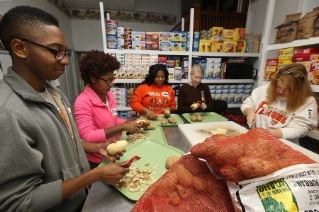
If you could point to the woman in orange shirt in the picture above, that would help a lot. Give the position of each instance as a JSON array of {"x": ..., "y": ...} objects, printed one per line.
[{"x": 154, "y": 94}]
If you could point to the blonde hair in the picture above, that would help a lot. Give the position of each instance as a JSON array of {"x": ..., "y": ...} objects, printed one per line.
[
  {"x": 198, "y": 68},
  {"x": 299, "y": 88}
]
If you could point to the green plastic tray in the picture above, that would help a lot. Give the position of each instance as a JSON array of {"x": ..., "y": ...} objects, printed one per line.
[
  {"x": 207, "y": 117},
  {"x": 156, "y": 134},
  {"x": 178, "y": 119},
  {"x": 152, "y": 152}
]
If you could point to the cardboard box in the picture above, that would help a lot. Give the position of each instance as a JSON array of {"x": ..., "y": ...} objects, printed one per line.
[
  {"x": 271, "y": 69},
  {"x": 182, "y": 46},
  {"x": 208, "y": 44},
  {"x": 202, "y": 45},
  {"x": 229, "y": 46},
  {"x": 313, "y": 75},
  {"x": 152, "y": 36},
  {"x": 217, "y": 47},
  {"x": 304, "y": 54},
  {"x": 175, "y": 35},
  {"x": 217, "y": 31},
  {"x": 182, "y": 36},
  {"x": 165, "y": 46},
  {"x": 136, "y": 36},
  {"x": 175, "y": 45},
  {"x": 240, "y": 34},
  {"x": 228, "y": 34},
  {"x": 165, "y": 36},
  {"x": 240, "y": 47},
  {"x": 137, "y": 72},
  {"x": 286, "y": 54},
  {"x": 283, "y": 63},
  {"x": 151, "y": 45}
]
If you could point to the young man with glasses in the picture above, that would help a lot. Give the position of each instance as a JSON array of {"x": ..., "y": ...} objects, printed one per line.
[
  {"x": 43, "y": 165},
  {"x": 95, "y": 109},
  {"x": 287, "y": 107}
]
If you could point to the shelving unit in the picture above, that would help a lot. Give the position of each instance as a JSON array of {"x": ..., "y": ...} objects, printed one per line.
[{"x": 129, "y": 108}]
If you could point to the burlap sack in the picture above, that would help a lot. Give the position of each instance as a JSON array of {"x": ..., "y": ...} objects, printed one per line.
[
  {"x": 316, "y": 34},
  {"x": 278, "y": 34},
  {"x": 289, "y": 29},
  {"x": 307, "y": 24}
]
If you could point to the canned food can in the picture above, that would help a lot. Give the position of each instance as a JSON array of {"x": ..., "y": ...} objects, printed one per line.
[
  {"x": 111, "y": 27},
  {"x": 196, "y": 35},
  {"x": 111, "y": 42},
  {"x": 120, "y": 32},
  {"x": 128, "y": 44},
  {"x": 128, "y": 33},
  {"x": 120, "y": 43}
]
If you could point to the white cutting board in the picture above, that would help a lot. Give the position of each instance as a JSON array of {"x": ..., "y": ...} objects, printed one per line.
[{"x": 197, "y": 133}]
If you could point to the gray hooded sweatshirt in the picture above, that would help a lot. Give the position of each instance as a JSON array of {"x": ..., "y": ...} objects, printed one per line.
[{"x": 37, "y": 151}]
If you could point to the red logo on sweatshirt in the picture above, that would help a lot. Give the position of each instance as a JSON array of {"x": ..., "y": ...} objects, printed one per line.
[{"x": 276, "y": 114}]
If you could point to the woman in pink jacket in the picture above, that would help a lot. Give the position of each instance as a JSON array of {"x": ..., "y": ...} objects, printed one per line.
[{"x": 95, "y": 110}]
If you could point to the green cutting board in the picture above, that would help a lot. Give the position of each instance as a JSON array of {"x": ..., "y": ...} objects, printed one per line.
[
  {"x": 156, "y": 134},
  {"x": 157, "y": 122},
  {"x": 152, "y": 152},
  {"x": 207, "y": 117}
]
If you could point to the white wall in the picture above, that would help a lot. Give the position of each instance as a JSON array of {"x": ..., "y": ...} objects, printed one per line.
[
  {"x": 88, "y": 33},
  {"x": 256, "y": 17},
  {"x": 64, "y": 21}
]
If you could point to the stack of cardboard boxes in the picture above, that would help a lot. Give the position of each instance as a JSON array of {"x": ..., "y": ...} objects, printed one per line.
[{"x": 232, "y": 94}]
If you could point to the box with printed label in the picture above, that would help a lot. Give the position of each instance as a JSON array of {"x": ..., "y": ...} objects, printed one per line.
[
  {"x": 120, "y": 96},
  {"x": 219, "y": 87},
  {"x": 240, "y": 34},
  {"x": 225, "y": 93},
  {"x": 208, "y": 44},
  {"x": 218, "y": 94},
  {"x": 129, "y": 72},
  {"x": 217, "y": 60},
  {"x": 271, "y": 69},
  {"x": 122, "y": 73},
  {"x": 313, "y": 75},
  {"x": 136, "y": 36},
  {"x": 137, "y": 72},
  {"x": 152, "y": 36},
  {"x": 175, "y": 45},
  {"x": 248, "y": 87},
  {"x": 209, "y": 73},
  {"x": 212, "y": 87},
  {"x": 286, "y": 54},
  {"x": 182, "y": 46},
  {"x": 119, "y": 91},
  {"x": 241, "y": 86},
  {"x": 217, "y": 39},
  {"x": 144, "y": 71},
  {"x": 304, "y": 54},
  {"x": 246, "y": 94},
  {"x": 202, "y": 45},
  {"x": 165, "y": 36},
  {"x": 233, "y": 87},
  {"x": 171, "y": 72},
  {"x": 239, "y": 96},
  {"x": 216, "y": 73},
  {"x": 151, "y": 45},
  {"x": 240, "y": 47},
  {"x": 283, "y": 63},
  {"x": 175, "y": 35},
  {"x": 182, "y": 36},
  {"x": 121, "y": 105},
  {"x": 228, "y": 34},
  {"x": 226, "y": 86},
  {"x": 229, "y": 46},
  {"x": 165, "y": 46},
  {"x": 217, "y": 31},
  {"x": 231, "y": 96}
]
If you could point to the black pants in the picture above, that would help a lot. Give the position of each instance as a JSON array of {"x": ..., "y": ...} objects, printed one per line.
[{"x": 93, "y": 165}]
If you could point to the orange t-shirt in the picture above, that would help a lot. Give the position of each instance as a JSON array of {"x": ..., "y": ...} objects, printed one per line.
[{"x": 153, "y": 97}]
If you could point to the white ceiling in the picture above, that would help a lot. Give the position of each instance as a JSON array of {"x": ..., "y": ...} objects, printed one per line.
[{"x": 108, "y": 4}]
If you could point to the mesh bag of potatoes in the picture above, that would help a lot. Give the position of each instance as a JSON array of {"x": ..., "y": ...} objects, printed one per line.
[
  {"x": 254, "y": 154},
  {"x": 188, "y": 185}
]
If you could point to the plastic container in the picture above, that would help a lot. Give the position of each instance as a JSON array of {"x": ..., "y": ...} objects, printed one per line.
[
  {"x": 111, "y": 41},
  {"x": 111, "y": 27}
]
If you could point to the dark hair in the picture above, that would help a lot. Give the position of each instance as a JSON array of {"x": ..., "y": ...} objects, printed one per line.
[
  {"x": 97, "y": 63},
  {"x": 21, "y": 21},
  {"x": 152, "y": 74}
]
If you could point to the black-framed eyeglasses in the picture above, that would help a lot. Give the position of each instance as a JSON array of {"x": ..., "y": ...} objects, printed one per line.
[
  {"x": 59, "y": 54},
  {"x": 296, "y": 75},
  {"x": 108, "y": 81}
]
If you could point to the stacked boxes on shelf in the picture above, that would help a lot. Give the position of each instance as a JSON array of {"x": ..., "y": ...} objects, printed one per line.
[
  {"x": 120, "y": 95},
  {"x": 232, "y": 94},
  {"x": 130, "y": 94},
  {"x": 165, "y": 41},
  {"x": 213, "y": 68},
  {"x": 179, "y": 40},
  {"x": 185, "y": 64},
  {"x": 314, "y": 70},
  {"x": 285, "y": 58},
  {"x": 129, "y": 113}
]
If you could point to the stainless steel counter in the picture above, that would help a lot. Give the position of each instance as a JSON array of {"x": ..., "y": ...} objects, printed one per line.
[{"x": 104, "y": 197}]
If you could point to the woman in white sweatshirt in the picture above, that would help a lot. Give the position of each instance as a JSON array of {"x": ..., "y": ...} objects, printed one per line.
[{"x": 287, "y": 107}]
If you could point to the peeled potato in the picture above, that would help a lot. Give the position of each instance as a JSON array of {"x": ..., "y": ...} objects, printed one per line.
[
  {"x": 193, "y": 117},
  {"x": 199, "y": 118},
  {"x": 196, "y": 105},
  {"x": 170, "y": 161},
  {"x": 118, "y": 146},
  {"x": 150, "y": 127},
  {"x": 164, "y": 121},
  {"x": 167, "y": 112},
  {"x": 172, "y": 121}
]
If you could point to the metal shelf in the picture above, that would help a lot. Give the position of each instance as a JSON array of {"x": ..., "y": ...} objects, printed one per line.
[
  {"x": 233, "y": 105},
  {"x": 222, "y": 54},
  {"x": 127, "y": 51},
  {"x": 296, "y": 43},
  {"x": 124, "y": 108}
]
